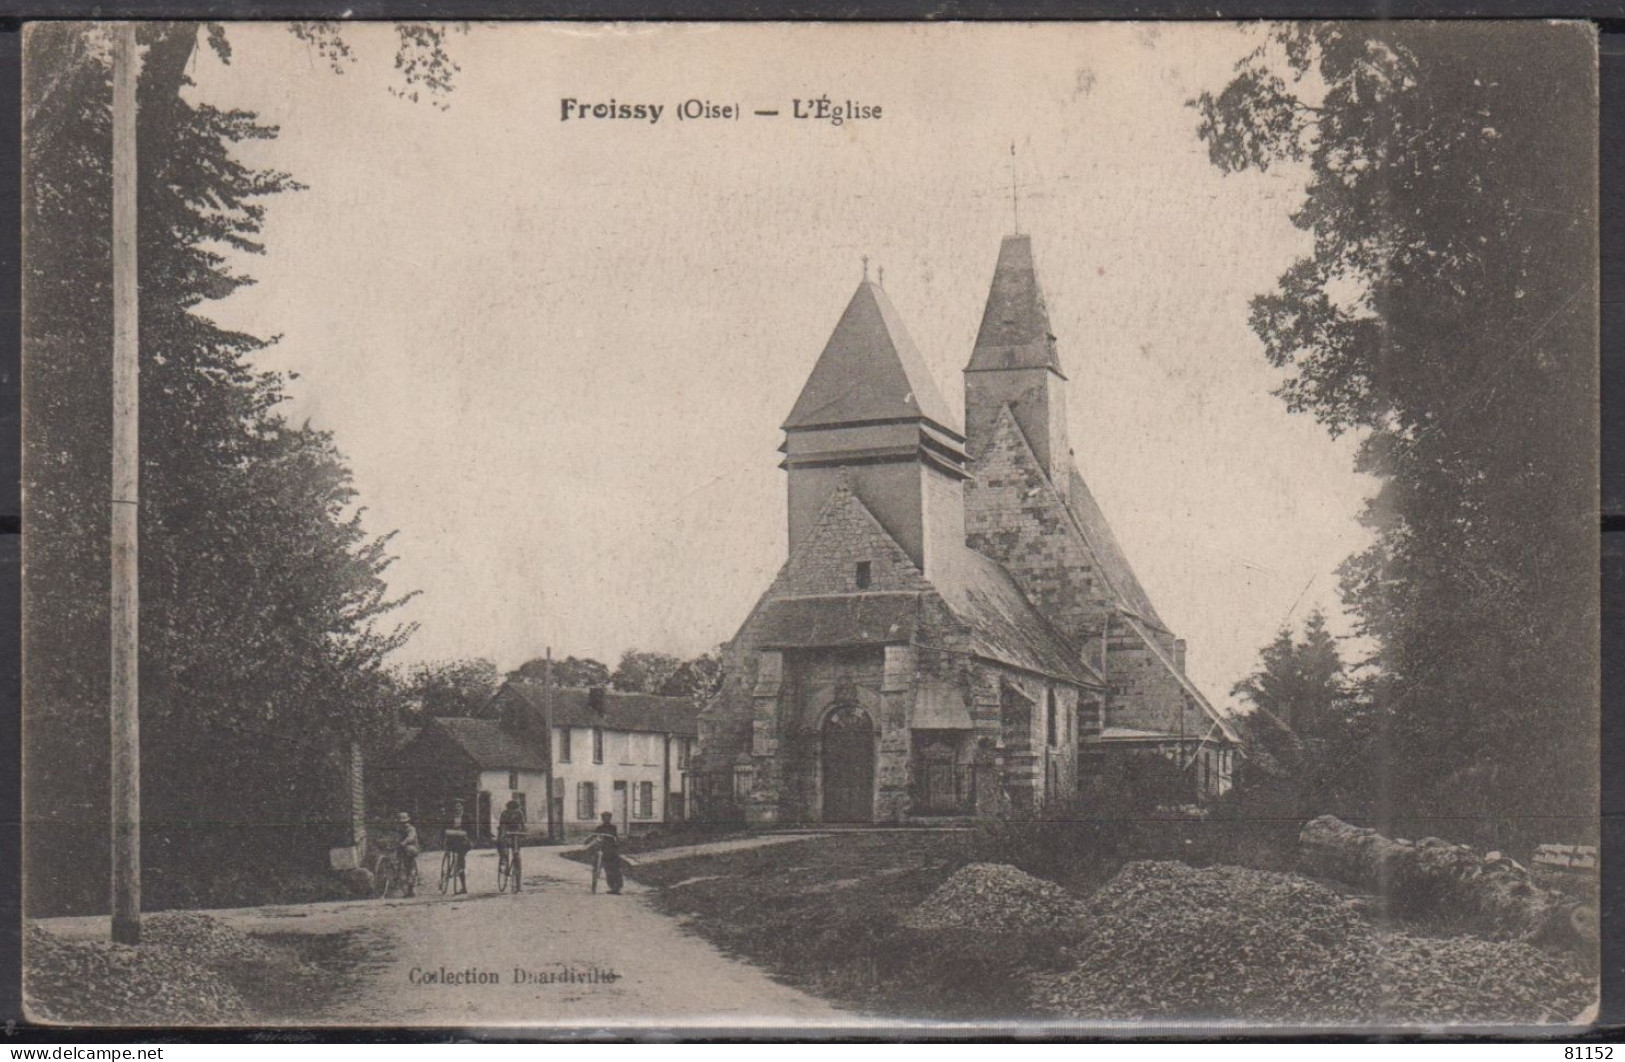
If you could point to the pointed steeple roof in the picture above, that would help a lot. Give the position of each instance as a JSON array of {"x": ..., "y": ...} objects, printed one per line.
[
  {"x": 1015, "y": 331},
  {"x": 870, "y": 370}
]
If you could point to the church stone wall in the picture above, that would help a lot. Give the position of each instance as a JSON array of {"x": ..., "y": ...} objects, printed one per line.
[
  {"x": 847, "y": 534},
  {"x": 1013, "y": 515}
]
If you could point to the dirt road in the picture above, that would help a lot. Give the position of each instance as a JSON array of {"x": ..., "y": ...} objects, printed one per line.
[{"x": 554, "y": 955}]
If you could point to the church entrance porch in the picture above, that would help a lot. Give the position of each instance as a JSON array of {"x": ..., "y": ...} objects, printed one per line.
[{"x": 847, "y": 764}]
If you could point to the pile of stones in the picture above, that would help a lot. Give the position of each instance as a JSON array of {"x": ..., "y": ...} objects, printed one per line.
[
  {"x": 996, "y": 897},
  {"x": 1163, "y": 940},
  {"x": 101, "y": 983}
]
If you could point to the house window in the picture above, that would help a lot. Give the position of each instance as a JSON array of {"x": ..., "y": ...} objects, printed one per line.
[
  {"x": 564, "y": 744},
  {"x": 1050, "y": 722},
  {"x": 865, "y": 575},
  {"x": 597, "y": 745},
  {"x": 645, "y": 807},
  {"x": 682, "y": 754},
  {"x": 586, "y": 800},
  {"x": 513, "y": 779}
]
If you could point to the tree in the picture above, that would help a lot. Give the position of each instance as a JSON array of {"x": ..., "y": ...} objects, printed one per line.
[
  {"x": 1446, "y": 314},
  {"x": 578, "y": 672},
  {"x": 697, "y": 679},
  {"x": 644, "y": 672},
  {"x": 452, "y": 688},
  {"x": 264, "y": 631},
  {"x": 1298, "y": 684}
]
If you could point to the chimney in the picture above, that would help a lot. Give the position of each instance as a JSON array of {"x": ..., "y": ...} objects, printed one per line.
[
  {"x": 1179, "y": 654},
  {"x": 595, "y": 699}
]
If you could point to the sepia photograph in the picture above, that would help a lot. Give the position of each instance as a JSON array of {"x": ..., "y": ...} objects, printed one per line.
[{"x": 811, "y": 528}]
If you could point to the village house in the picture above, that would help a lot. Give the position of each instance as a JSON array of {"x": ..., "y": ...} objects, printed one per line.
[
  {"x": 956, "y": 631},
  {"x": 625, "y": 753}
]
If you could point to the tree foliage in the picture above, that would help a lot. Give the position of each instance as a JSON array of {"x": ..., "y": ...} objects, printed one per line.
[
  {"x": 452, "y": 688},
  {"x": 264, "y": 630},
  {"x": 572, "y": 671},
  {"x": 641, "y": 671},
  {"x": 1446, "y": 315}
]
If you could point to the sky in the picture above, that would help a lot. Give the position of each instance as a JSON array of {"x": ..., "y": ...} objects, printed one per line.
[{"x": 557, "y": 353}]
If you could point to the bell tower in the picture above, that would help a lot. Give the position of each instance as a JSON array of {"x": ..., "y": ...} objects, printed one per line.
[
  {"x": 1015, "y": 363},
  {"x": 871, "y": 418}
]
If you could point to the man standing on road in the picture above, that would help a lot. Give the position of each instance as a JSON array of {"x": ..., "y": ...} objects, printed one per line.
[
  {"x": 510, "y": 833},
  {"x": 608, "y": 844}
]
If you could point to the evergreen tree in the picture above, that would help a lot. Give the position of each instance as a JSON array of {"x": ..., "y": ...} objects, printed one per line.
[{"x": 1446, "y": 315}]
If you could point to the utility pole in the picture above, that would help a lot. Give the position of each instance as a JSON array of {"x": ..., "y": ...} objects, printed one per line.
[
  {"x": 553, "y": 824},
  {"x": 125, "y": 608}
]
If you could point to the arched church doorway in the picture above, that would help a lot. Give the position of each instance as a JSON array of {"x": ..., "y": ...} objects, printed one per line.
[{"x": 849, "y": 765}]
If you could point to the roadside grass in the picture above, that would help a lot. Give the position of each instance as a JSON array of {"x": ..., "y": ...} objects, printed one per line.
[{"x": 826, "y": 915}]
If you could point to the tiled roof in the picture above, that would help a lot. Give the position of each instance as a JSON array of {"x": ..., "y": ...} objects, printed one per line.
[
  {"x": 1004, "y": 625},
  {"x": 838, "y": 619},
  {"x": 1015, "y": 332},
  {"x": 1113, "y": 563},
  {"x": 641, "y": 712},
  {"x": 869, "y": 370},
  {"x": 489, "y": 745}
]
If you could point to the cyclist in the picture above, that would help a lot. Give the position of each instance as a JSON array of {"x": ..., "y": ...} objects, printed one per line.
[
  {"x": 407, "y": 846},
  {"x": 457, "y": 845},
  {"x": 510, "y": 828}
]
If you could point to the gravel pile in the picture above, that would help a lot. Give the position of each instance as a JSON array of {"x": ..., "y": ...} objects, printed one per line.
[
  {"x": 101, "y": 983},
  {"x": 994, "y": 896},
  {"x": 1164, "y": 940},
  {"x": 204, "y": 939}
]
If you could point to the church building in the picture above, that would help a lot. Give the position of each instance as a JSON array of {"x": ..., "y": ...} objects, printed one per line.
[{"x": 956, "y": 632}]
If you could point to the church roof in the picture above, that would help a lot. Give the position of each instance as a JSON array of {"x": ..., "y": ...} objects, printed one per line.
[
  {"x": 1015, "y": 332},
  {"x": 1004, "y": 625},
  {"x": 1113, "y": 562},
  {"x": 870, "y": 370},
  {"x": 838, "y": 620}
]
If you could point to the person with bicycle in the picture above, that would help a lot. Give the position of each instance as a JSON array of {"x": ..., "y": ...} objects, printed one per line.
[
  {"x": 510, "y": 828},
  {"x": 454, "y": 874},
  {"x": 407, "y": 848},
  {"x": 606, "y": 847}
]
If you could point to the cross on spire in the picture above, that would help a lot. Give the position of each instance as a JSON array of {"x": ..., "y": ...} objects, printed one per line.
[
  {"x": 1015, "y": 195},
  {"x": 866, "y": 269}
]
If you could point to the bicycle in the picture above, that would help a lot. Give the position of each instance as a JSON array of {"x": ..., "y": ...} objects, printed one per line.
[
  {"x": 454, "y": 862},
  {"x": 392, "y": 871},
  {"x": 509, "y": 867}
]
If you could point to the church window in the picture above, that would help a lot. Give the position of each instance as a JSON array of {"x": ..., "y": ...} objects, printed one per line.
[{"x": 865, "y": 575}]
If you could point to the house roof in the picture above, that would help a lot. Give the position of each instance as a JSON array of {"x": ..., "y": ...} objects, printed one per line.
[
  {"x": 639, "y": 712},
  {"x": 1015, "y": 332},
  {"x": 489, "y": 745},
  {"x": 870, "y": 370},
  {"x": 839, "y": 619}
]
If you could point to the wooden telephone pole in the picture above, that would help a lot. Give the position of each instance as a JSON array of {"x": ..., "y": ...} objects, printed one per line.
[
  {"x": 125, "y": 608},
  {"x": 553, "y": 825}
]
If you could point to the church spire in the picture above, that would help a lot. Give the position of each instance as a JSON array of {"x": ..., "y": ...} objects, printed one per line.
[
  {"x": 1015, "y": 331},
  {"x": 870, "y": 370},
  {"x": 871, "y": 419},
  {"x": 1015, "y": 364}
]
